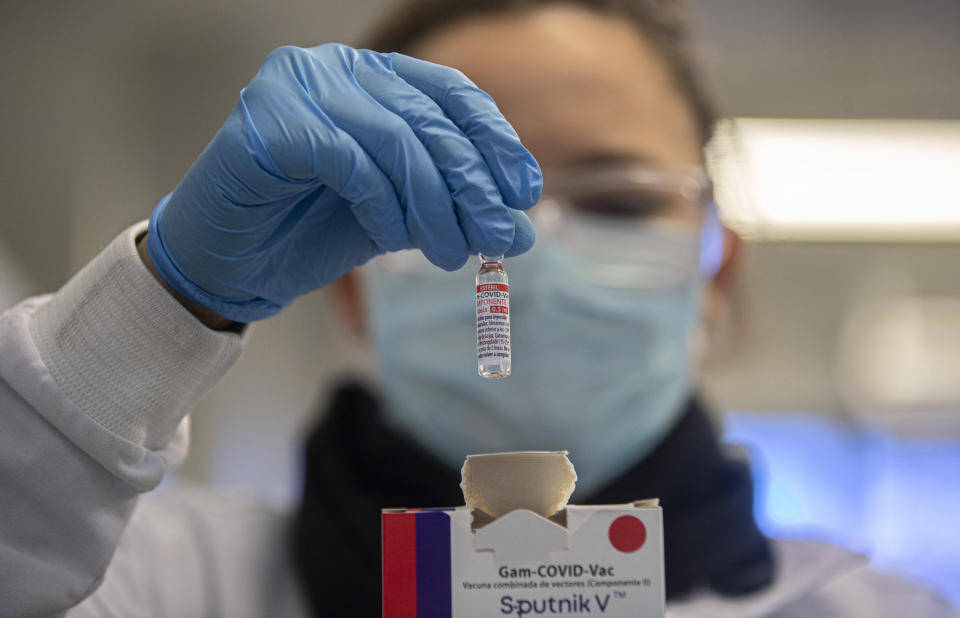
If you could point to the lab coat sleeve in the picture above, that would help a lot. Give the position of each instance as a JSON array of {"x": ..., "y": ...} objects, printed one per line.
[
  {"x": 867, "y": 592},
  {"x": 95, "y": 383},
  {"x": 211, "y": 553},
  {"x": 816, "y": 579}
]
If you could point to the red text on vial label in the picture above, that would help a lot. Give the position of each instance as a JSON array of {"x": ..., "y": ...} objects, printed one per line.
[{"x": 493, "y": 322}]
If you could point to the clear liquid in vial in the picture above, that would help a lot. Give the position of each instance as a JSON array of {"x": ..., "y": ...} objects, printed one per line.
[{"x": 493, "y": 318}]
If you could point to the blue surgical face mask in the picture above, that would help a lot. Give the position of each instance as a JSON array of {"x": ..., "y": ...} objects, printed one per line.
[{"x": 599, "y": 369}]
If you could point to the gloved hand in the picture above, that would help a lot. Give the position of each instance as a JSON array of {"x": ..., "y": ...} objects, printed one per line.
[{"x": 332, "y": 156}]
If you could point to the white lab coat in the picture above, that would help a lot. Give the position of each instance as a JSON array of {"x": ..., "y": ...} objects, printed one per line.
[{"x": 95, "y": 384}]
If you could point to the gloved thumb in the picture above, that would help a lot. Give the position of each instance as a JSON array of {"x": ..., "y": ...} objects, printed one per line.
[{"x": 524, "y": 234}]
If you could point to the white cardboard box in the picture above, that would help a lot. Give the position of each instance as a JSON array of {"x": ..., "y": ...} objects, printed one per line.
[{"x": 585, "y": 560}]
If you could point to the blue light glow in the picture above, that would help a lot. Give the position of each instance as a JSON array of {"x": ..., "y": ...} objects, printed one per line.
[{"x": 895, "y": 499}]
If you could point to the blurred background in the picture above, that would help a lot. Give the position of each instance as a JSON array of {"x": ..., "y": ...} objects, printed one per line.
[{"x": 838, "y": 368}]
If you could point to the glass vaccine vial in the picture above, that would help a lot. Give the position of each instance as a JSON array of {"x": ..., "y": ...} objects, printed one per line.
[{"x": 493, "y": 318}]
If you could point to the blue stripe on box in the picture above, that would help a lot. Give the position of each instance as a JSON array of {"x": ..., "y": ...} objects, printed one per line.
[{"x": 434, "y": 594}]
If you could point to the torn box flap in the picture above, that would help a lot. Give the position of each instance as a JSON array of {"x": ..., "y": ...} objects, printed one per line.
[{"x": 497, "y": 483}]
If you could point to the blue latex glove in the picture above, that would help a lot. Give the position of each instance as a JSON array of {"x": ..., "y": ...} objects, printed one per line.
[{"x": 332, "y": 156}]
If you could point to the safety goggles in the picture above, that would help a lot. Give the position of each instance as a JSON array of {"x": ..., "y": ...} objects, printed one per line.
[
  {"x": 631, "y": 193},
  {"x": 631, "y": 226},
  {"x": 628, "y": 226}
]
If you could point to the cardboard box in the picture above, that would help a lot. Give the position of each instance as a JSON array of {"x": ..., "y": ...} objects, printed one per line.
[{"x": 584, "y": 560}]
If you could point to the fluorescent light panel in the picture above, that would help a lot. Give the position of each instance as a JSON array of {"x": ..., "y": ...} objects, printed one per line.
[{"x": 856, "y": 179}]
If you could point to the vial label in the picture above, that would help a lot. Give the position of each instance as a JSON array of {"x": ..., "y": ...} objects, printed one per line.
[{"x": 493, "y": 324}]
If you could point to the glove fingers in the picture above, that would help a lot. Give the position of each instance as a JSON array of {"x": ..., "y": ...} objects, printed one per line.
[
  {"x": 350, "y": 142},
  {"x": 482, "y": 215},
  {"x": 391, "y": 144},
  {"x": 428, "y": 207},
  {"x": 349, "y": 170},
  {"x": 477, "y": 116},
  {"x": 293, "y": 149}
]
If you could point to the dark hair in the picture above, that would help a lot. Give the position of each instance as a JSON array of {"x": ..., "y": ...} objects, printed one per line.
[{"x": 664, "y": 23}]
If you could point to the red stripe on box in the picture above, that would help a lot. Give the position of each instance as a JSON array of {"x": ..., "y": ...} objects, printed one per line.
[{"x": 399, "y": 565}]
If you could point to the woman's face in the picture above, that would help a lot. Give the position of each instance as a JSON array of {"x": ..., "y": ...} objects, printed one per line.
[{"x": 578, "y": 86}]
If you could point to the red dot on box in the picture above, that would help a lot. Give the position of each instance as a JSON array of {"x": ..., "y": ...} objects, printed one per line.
[{"x": 627, "y": 533}]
